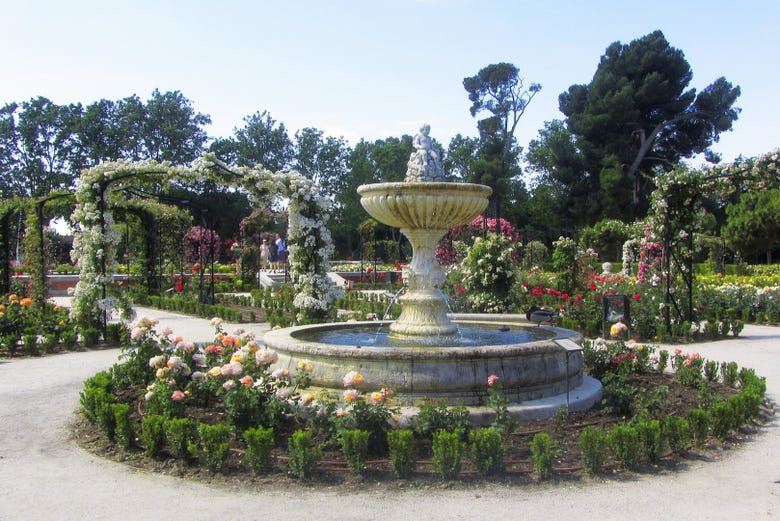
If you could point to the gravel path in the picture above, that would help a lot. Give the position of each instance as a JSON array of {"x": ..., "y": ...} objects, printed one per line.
[{"x": 43, "y": 475}]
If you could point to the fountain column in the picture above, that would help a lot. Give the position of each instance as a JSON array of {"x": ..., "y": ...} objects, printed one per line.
[{"x": 424, "y": 305}]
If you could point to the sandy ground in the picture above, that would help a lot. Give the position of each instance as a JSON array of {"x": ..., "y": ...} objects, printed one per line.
[{"x": 43, "y": 475}]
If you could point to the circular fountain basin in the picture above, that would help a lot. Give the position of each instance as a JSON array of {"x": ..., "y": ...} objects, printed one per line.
[{"x": 532, "y": 364}]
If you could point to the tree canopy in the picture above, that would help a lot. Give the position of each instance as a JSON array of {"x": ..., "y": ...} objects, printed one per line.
[
  {"x": 45, "y": 146},
  {"x": 499, "y": 90},
  {"x": 754, "y": 223},
  {"x": 638, "y": 115}
]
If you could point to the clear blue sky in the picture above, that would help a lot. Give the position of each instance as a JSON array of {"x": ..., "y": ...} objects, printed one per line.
[{"x": 374, "y": 68}]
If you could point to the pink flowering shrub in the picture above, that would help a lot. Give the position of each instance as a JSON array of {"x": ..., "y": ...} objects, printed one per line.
[{"x": 446, "y": 251}]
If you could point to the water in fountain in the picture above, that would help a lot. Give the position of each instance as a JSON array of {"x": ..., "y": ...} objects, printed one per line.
[{"x": 392, "y": 299}]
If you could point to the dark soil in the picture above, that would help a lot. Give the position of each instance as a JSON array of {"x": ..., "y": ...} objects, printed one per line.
[{"x": 332, "y": 469}]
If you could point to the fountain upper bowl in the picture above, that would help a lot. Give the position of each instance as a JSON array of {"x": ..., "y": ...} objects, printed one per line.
[{"x": 424, "y": 205}]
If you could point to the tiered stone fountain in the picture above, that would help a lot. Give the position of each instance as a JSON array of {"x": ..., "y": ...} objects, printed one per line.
[{"x": 425, "y": 354}]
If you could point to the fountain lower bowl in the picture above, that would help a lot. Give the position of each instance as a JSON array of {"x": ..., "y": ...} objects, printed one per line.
[{"x": 528, "y": 370}]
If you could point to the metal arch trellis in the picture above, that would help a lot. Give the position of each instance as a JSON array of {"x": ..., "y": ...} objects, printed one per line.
[
  {"x": 38, "y": 273},
  {"x": 677, "y": 204},
  {"x": 94, "y": 243},
  {"x": 93, "y": 305},
  {"x": 153, "y": 215},
  {"x": 205, "y": 293},
  {"x": 33, "y": 240},
  {"x": 8, "y": 209}
]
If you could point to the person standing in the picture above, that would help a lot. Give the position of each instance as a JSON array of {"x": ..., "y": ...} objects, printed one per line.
[
  {"x": 265, "y": 255},
  {"x": 281, "y": 252}
]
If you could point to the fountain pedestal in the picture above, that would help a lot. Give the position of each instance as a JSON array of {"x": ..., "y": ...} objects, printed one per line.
[{"x": 424, "y": 306}]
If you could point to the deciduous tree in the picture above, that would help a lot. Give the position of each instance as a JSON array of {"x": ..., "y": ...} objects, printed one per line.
[{"x": 261, "y": 141}]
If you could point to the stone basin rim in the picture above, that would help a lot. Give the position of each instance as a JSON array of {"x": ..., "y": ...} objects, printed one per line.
[
  {"x": 285, "y": 340},
  {"x": 437, "y": 188}
]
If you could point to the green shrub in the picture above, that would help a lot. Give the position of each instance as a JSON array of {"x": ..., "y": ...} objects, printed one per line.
[
  {"x": 9, "y": 341},
  {"x": 97, "y": 389},
  {"x": 179, "y": 434},
  {"x": 117, "y": 333},
  {"x": 593, "y": 445},
  {"x": 124, "y": 431},
  {"x": 304, "y": 456},
  {"x": 749, "y": 380},
  {"x": 373, "y": 418},
  {"x": 730, "y": 373},
  {"x": 403, "y": 453},
  {"x": 434, "y": 416},
  {"x": 487, "y": 451},
  {"x": 535, "y": 254},
  {"x": 214, "y": 442},
  {"x": 447, "y": 448},
  {"x": 690, "y": 372},
  {"x": 105, "y": 419},
  {"x": 244, "y": 408},
  {"x": 561, "y": 419},
  {"x": 624, "y": 441},
  {"x": 153, "y": 434},
  {"x": 47, "y": 343},
  {"x": 651, "y": 441},
  {"x": 711, "y": 368},
  {"x": 68, "y": 339},
  {"x": 676, "y": 433},
  {"x": 160, "y": 401},
  {"x": 90, "y": 336},
  {"x": 649, "y": 403},
  {"x": 699, "y": 422},
  {"x": 736, "y": 327},
  {"x": 101, "y": 379},
  {"x": 663, "y": 360},
  {"x": 259, "y": 444},
  {"x": 746, "y": 405},
  {"x": 30, "y": 344},
  {"x": 354, "y": 445},
  {"x": 722, "y": 419},
  {"x": 618, "y": 394},
  {"x": 541, "y": 451}
]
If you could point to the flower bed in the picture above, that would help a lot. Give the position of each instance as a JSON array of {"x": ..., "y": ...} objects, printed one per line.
[{"x": 175, "y": 405}]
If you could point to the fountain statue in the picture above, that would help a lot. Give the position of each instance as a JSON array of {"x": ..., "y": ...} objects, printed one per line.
[{"x": 425, "y": 354}]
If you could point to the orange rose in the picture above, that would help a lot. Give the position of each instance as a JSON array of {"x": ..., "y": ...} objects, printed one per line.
[{"x": 26, "y": 302}]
